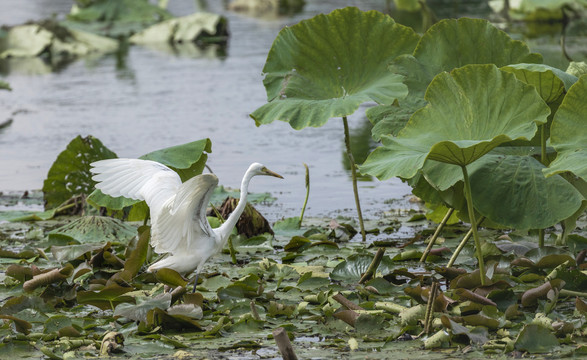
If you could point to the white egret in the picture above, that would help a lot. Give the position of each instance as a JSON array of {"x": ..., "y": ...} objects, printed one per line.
[{"x": 178, "y": 210}]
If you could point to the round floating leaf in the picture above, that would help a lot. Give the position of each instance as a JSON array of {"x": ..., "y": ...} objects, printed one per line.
[
  {"x": 512, "y": 191},
  {"x": 536, "y": 339},
  {"x": 92, "y": 229},
  {"x": 354, "y": 267},
  {"x": 462, "y": 122},
  {"x": 327, "y": 66},
  {"x": 568, "y": 133},
  {"x": 70, "y": 173}
]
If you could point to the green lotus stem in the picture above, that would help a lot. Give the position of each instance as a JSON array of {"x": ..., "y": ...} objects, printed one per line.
[
  {"x": 471, "y": 209},
  {"x": 565, "y": 292},
  {"x": 544, "y": 161},
  {"x": 462, "y": 244},
  {"x": 347, "y": 142},
  {"x": 307, "y": 193},
  {"x": 436, "y": 233}
]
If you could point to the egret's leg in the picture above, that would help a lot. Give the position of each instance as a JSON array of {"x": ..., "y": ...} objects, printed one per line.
[{"x": 196, "y": 281}]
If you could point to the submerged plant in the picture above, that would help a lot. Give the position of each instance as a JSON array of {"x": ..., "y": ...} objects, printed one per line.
[
  {"x": 459, "y": 126},
  {"x": 327, "y": 66}
]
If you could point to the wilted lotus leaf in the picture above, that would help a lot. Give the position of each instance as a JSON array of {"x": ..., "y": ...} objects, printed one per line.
[
  {"x": 19, "y": 272},
  {"x": 469, "y": 281},
  {"x": 157, "y": 317},
  {"x": 137, "y": 257},
  {"x": 138, "y": 312},
  {"x": 71, "y": 252},
  {"x": 476, "y": 336},
  {"x": 411, "y": 316},
  {"x": 92, "y": 229},
  {"x": 471, "y": 296},
  {"x": 188, "y": 310},
  {"x": 530, "y": 297},
  {"x": 170, "y": 277},
  {"x": 276, "y": 309},
  {"x": 439, "y": 339},
  {"x": 107, "y": 298},
  {"x": 536, "y": 339},
  {"x": 24, "y": 254},
  {"x": 49, "y": 277},
  {"x": 482, "y": 320},
  {"x": 580, "y": 305},
  {"x": 298, "y": 244},
  {"x": 111, "y": 343},
  {"x": 199, "y": 27},
  {"x": 21, "y": 326}
]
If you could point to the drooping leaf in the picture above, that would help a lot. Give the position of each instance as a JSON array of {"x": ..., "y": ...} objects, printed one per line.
[
  {"x": 549, "y": 81},
  {"x": 512, "y": 191},
  {"x": 568, "y": 133},
  {"x": 327, "y": 66},
  {"x": 459, "y": 125},
  {"x": 70, "y": 173}
]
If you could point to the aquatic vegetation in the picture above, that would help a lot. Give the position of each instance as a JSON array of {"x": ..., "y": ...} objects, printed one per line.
[{"x": 325, "y": 67}]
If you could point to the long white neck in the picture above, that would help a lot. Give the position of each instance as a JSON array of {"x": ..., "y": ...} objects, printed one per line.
[{"x": 225, "y": 229}]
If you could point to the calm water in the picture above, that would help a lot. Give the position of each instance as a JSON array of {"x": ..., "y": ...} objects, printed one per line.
[{"x": 155, "y": 99}]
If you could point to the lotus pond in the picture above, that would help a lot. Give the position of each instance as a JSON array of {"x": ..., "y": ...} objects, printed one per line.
[{"x": 485, "y": 129}]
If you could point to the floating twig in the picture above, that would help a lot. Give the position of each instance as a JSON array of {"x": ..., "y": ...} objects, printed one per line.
[{"x": 346, "y": 302}]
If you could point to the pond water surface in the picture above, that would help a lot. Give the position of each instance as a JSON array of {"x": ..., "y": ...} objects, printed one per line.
[{"x": 153, "y": 99}]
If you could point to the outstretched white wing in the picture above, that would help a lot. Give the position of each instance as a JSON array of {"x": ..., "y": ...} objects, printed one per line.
[
  {"x": 182, "y": 226},
  {"x": 136, "y": 179}
]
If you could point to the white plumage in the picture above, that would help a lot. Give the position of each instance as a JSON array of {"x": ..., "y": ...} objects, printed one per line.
[{"x": 178, "y": 210}]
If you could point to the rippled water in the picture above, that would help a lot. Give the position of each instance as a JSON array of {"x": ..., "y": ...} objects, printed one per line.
[{"x": 153, "y": 99}]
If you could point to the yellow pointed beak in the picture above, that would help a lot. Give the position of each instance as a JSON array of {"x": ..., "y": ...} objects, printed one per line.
[{"x": 271, "y": 173}]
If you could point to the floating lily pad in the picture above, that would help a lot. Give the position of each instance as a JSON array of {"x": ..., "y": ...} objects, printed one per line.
[{"x": 536, "y": 339}]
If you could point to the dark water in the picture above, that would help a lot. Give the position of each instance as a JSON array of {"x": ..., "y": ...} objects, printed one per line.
[{"x": 153, "y": 99}]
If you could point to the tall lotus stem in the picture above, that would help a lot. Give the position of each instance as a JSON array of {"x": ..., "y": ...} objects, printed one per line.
[
  {"x": 436, "y": 233},
  {"x": 347, "y": 142},
  {"x": 459, "y": 248},
  {"x": 473, "y": 222},
  {"x": 544, "y": 161}
]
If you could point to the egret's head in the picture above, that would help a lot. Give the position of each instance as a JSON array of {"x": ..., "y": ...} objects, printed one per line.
[{"x": 260, "y": 169}]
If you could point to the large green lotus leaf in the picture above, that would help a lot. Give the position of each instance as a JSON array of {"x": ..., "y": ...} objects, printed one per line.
[
  {"x": 188, "y": 160},
  {"x": 512, "y": 191},
  {"x": 453, "y": 43},
  {"x": 460, "y": 124},
  {"x": 328, "y": 65},
  {"x": 70, "y": 173},
  {"x": 568, "y": 133},
  {"x": 550, "y": 82},
  {"x": 447, "y": 45}
]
